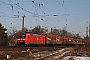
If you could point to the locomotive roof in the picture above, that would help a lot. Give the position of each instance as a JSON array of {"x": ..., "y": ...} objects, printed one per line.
[{"x": 36, "y": 34}]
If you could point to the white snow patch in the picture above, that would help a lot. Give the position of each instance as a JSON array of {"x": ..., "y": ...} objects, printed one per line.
[
  {"x": 76, "y": 58},
  {"x": 82, "y": 58},
  {"x": 56, "y": 57}
]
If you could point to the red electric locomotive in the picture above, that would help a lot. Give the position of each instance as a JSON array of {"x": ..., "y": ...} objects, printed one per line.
[{"x": 31, "y": 39}]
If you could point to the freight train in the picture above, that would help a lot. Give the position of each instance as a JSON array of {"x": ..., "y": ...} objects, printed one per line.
[{"x": 47, "y": 39}]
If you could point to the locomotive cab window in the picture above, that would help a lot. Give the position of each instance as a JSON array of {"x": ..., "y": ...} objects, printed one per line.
[{"x": 22, "y": 36}]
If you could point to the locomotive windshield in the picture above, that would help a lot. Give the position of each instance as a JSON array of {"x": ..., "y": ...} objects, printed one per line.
[{"x": 22, "y": 36}]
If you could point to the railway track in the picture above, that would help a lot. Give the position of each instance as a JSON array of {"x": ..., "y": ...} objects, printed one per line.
[
  {"x": 54, "y": 55},
  {"x": 16, "y": 52},
  {"x": 38, "y": 53}
]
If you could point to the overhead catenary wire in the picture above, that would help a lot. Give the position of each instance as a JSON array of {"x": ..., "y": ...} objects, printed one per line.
[{"x": 37, "y": 15}]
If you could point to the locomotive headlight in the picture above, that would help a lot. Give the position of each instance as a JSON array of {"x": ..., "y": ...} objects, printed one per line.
[
  {"x": 18, "y": 39},
  {"x": 23, "y": 39}
]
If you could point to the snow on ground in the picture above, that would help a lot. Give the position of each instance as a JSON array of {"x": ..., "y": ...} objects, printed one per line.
[
  {"x": 56, "y": 57},
  {"x": 76, "y": 58},
  {"x": 82, "y": 58}
]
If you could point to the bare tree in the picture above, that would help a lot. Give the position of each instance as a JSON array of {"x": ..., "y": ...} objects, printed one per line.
[
  {"x": 39, "y": 30},
  {"x": 12, "y": 36}
]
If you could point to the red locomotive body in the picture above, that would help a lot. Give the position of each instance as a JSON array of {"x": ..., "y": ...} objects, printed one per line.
[
  {"x": 32, "y": 39},
  {"x": 35, "y": 39}
]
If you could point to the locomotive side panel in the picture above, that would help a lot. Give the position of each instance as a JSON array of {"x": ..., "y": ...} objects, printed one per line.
[
  {"x": 35, "y": 39},
  {"x": 39, "y": 40},
  {"x": 42, "y": 40},
  {"x": 30, "y": 39}
]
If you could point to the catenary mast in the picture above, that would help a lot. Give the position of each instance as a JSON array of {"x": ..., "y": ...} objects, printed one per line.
[
  {"x": 23, "y": 24},
  {"x": 89, "y": 31}
]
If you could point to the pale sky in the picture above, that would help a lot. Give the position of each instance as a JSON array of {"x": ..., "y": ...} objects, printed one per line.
[{"x": 74, "y": 13}]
